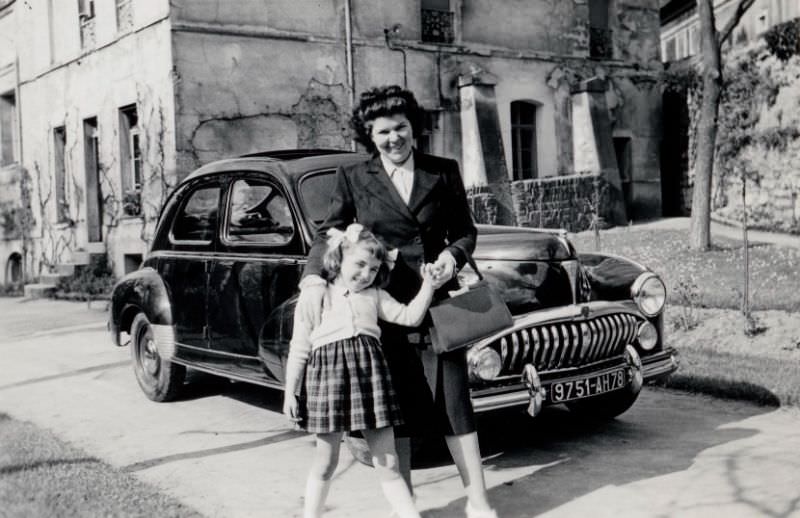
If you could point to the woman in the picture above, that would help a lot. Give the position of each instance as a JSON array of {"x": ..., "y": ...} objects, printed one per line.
[{"x": 416, "y": 203}]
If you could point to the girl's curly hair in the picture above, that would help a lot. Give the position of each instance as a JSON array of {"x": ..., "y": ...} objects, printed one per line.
[
  {"x": 332, "y": 259},
  {"x": 384, "y": 101}
]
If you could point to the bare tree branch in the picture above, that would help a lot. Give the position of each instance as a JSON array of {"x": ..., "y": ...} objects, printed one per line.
[{"x": 741, "y": 8}]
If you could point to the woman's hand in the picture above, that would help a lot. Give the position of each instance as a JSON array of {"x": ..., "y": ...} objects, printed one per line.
[
  {"x": 428, "y": 276},
  {"x": 443, "y": 269},
  {"x": 309, "y": 303},
  {"x": 291, "y": 407}
]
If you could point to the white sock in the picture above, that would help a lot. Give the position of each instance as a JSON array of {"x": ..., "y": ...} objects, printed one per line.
[
  {"x": 399, "y": 498},
  {"x": 316, "y": 493}
]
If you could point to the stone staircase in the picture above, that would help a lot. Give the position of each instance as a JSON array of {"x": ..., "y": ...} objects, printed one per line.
[{"x": 48, "y": 282}]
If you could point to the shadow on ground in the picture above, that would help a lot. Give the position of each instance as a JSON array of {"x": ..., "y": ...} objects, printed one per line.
[{"x": 570, "y": 458}]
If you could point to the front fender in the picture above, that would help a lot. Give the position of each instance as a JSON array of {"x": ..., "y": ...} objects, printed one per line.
[
  {"x": 139, "y": 291},
  {"x": 610, "y": 276}
]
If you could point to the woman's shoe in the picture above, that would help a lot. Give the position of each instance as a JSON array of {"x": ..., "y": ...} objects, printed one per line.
[{"x": 475, "y": 513}]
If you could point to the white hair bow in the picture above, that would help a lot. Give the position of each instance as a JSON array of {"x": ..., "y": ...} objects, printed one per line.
[{"x": 351, "y": 233}]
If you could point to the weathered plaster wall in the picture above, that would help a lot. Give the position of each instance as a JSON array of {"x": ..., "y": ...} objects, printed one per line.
[
  {"x": 280, "y": 15},
  {"x": 635, "y": 103},
  {"x": 50, "y": 32},
  {"x": 636, "y": 30},
  {"x": 136, "y": 70},
  {"x": 239, "y": 95},
  {"x": 549, "y": 26}
]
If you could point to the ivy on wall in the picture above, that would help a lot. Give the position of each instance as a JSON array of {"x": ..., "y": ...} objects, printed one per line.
[{"x": 750, "y": 88}]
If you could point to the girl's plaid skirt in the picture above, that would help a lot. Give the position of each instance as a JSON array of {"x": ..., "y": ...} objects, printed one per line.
[{"x": 348, "y": 387}]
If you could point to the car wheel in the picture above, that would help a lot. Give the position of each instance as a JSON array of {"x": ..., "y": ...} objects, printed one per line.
[
  {"x": 604, "y": 406},
  {"x": 160, "y": 380}
]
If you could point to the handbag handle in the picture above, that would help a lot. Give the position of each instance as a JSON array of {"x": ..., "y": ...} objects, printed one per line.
[{"x": 474, "y": 266}]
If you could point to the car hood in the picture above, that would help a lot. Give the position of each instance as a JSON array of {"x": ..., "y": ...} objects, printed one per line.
[{"x": 501, "y": 243}]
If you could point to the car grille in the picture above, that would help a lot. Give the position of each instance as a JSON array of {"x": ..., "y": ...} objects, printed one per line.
[{"x": 566, "y": 344}]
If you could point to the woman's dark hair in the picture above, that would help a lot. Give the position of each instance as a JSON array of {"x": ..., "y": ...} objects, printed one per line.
[{"x": 384, "y": 101}]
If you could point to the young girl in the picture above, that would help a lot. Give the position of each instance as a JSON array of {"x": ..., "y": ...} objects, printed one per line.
[{"x": 347, "y": 381}]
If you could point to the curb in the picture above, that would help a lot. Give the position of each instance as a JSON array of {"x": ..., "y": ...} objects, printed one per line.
[{"x": 722, "y": 389}]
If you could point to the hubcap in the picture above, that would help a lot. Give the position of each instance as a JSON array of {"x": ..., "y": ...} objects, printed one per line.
[{"x": 149, "y": 357}]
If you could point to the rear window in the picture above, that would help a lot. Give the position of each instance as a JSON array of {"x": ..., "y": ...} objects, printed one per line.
[{"x": 315, "y": 195}]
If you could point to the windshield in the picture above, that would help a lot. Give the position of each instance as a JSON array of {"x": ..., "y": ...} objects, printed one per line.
[{"x": 315, "y": 195}]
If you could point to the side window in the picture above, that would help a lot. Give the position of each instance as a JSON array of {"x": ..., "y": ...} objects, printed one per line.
[
  {"x": 197, "y": 219},
  {"x": 258, "y": 214}
]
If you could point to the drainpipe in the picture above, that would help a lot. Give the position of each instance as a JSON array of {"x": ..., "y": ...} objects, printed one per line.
[
  {"x": 19, "y": 111},
  {"x": 348, "y": 37},
  {"x": 387, "y": 35}
]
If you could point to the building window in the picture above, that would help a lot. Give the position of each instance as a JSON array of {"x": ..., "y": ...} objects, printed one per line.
[
  {"x": 523, "y": 140},
  {"x": 600, "y": 36},
  {"x": 87, "y": 23},
  {"x": 437, "y": 21},
  {"x": 8, "y": 124},
  {"x": 124, "y": 15},
  {"x": 669, "y": 52},
  {"x": 60, "y": 171},
  {"x": 695, "y": 40},
  {"x": 425, "y": 140},
  {"x": 94, "y": 195},
  {"x": 130, "y": 154}
]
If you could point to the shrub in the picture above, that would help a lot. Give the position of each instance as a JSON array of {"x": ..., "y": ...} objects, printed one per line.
[
  {"x": 89, "y": 281},
  {"x": 783, "y": 40}
]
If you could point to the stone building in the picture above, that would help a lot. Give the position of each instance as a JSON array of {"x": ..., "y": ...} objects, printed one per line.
[
  {"x": 680, "y": 24},
  {"x": 117, "y": 100},
  {"x": 773, "y": 195}
]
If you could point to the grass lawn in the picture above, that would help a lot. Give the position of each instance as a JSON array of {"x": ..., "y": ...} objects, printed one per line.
[
  {"x": 717, "y": 275},
  {"x": 42, "y": 476},
  {"x": 703, "y": 321}
]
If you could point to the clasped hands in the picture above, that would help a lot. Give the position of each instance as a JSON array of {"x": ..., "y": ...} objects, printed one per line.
[{"x": 309, "y": 303}]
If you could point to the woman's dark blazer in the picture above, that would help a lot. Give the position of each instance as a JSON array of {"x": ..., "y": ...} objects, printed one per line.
[{"x": 436, "y": 217}]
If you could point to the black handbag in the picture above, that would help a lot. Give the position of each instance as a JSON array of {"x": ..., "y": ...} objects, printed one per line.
[{"x": 468, "y": 317}]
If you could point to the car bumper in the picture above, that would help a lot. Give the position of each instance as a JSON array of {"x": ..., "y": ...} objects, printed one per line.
[{"x": 654, "y": 366}]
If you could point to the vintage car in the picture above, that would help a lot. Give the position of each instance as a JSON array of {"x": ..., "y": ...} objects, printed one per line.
[{"x": 217, "y": 290}]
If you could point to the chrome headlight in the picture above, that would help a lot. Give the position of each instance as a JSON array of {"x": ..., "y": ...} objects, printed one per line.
[
  {"x": 649, "y": 293},
  {"x": 647, "y": 336},
  {"x": 484, "y": 364}
]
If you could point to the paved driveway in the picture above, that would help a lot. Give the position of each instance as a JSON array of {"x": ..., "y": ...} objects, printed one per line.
[{"x": 226, "y": 451}]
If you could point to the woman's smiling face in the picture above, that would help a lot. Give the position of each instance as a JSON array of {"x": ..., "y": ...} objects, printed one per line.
[{"x": 393, "y": 136}]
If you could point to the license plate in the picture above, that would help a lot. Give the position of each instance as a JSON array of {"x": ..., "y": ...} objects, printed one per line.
[{"x": 587, "y": 387}]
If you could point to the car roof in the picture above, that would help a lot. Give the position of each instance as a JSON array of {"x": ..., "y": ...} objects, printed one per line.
[{"x": 286, "y": 163}]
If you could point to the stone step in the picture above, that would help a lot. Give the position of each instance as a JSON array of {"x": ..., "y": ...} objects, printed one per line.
[
  {"x": 80, "y": 257},
  {"x": 39, "y": 290},
  {"x": 51, "y": 278},
  {"x": 98, "y": 248},
  {"x": 65, "y": 269}
]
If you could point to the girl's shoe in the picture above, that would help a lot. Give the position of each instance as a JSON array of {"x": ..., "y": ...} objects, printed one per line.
[{"x": 474, "y": 513}]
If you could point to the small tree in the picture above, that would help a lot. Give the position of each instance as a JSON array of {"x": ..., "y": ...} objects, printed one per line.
[{"x": 711, "y": 43}]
